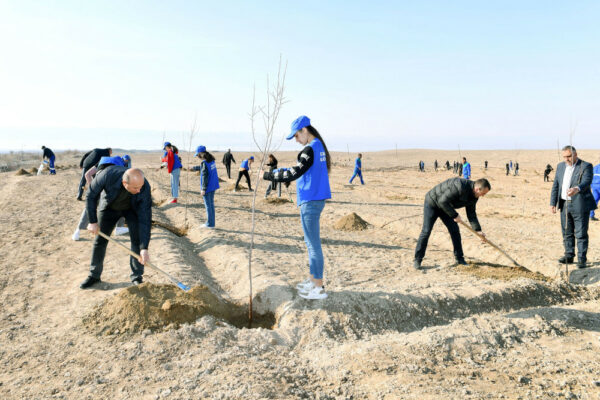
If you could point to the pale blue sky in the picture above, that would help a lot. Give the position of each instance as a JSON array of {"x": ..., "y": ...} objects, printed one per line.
[{"x": 431, "y": 74}]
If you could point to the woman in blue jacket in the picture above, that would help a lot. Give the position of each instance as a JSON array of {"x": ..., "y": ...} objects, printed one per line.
[
  {"x": 209, "y": 183},
  {"x": 312, "y": 186}
]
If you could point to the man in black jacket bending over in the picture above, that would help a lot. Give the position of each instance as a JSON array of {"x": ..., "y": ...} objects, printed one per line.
[
  {"x": 122, "y": 193},
  {"x": 89, "y": 160},
  {"x": 442, "y": 202}
]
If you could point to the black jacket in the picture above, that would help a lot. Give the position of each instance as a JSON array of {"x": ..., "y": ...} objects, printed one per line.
[
  {"x": 228, "y": 158},
  {"x": 106, "y": 187},
  {"x": 91, "y": 158},
  {"x": 452, "y": 194},
  {"x": 583, "y": 174},
  {"x": 48, "y": 153}
]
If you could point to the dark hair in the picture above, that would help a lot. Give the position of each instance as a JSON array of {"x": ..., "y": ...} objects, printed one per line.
[
  {"x": 207, "y": 157},
  {"x": 272, "y": 159},
  {"x": 571, "y": 148},
  {"x": 175, "y": 149},
  {"x": 311, "y": 129},
  {"x": 464, "y": 158},
  {"x": 360, "y": 154},
  {"x": 483, "y": 184},
  {"x": 43, "y": 147}
]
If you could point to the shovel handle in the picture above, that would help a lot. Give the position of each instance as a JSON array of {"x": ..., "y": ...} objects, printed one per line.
[
  {"x": 148, "y": 263},
  {"x": 491, "y": 244}
]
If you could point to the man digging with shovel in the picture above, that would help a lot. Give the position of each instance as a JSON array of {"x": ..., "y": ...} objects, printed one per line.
[
  {"x": 442, "y": 202},
  {"x": 122, "y": 193}
]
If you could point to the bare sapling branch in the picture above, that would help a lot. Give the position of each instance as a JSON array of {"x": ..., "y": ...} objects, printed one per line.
[
  {"x": 269, "y": 114},
  {"x": 192, "y": 133}
]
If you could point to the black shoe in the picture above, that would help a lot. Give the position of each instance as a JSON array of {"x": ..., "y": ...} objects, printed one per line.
[
  {"x": 79, "y": 198},
  {"x": 137, "y": 281},
  {"x": 594, "y": 219},
  {"x": 89, "y": 282},
  {"x": 582, "y": 264},
  {"x": 565, "y": 260},
  {"x": 417, "y": 264},
  {"x": 461, "y": 261}
]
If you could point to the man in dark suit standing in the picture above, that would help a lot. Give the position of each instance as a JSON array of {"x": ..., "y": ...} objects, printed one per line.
[
  {"x": 572, "y": 195},
  {"x": 119, "y": 192}
]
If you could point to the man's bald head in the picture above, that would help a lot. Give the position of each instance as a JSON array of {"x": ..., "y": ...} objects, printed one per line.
[{"x": 133, "y": 180}]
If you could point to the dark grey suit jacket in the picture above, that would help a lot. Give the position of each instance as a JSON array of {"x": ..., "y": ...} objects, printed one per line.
[{"x": 582, "y": 202}]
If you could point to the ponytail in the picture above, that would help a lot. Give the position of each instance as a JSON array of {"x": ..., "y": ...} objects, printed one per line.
[{"x": 316, "y": 134}]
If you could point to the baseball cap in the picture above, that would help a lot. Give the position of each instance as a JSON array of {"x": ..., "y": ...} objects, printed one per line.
[
  {"x": 200, "y": 149},
  {"x": 166, "y": 144},
  {"x": 300, "y": 122},
  {"x": 126, "y": 157},
  {"x": 251, "y": 157}
]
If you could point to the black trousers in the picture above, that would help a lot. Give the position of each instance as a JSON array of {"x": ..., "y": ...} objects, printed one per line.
[
  {"x": 430, "y": 215},
  {"x": 107, "y": 219},
  {"x": 82, "y": 182},
  {"x": 228, "y": 168},
  {"x": 243, "y": 173},
  {"x": 574, "y": 226}
]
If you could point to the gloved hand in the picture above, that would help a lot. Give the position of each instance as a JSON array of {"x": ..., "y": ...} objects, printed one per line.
[{"x": 287, "y": 184}]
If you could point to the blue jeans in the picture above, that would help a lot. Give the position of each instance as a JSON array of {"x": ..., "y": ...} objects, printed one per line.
[
  {"x": 209, "y": 204},
  {"x": 175, "y": 182},
  {"x": 310, "y": 214},
  {"x": 596, "y": 193},
  {"x": 359, "y": 173}
]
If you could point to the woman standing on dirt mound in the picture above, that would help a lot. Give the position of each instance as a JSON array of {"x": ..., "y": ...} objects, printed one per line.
[
  {"x": 312, "y": 187},
  {"x": 209, "y": 183},
  {"x": 173, "y": 168}
]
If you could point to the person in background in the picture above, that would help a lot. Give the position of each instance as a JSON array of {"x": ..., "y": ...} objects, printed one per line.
[
  {"x": 547, "y": 172},
  {"x": 507, "y": 169},
  {"x": 595, "y": 190},
  {"x": 486, "y": 164},
  {"x": 227, "y": 160},
  {"x": 244, "y": 171},
  {"x": 466, "y": 169},
  {"x": 312, "y": 188},
  {"x": 516, "y": 168},
  {"x": 209, "y": 183},
  {"x": 89, "y": 160},
  {"x": 272, "y": 164},
  {"x": 358, "y": 169},
  {"x": 435, "y": 165},
  {"x": 49, "y": 154},
  {"x": 174, "y": 169},
  {"x": 126, "y": 161}
]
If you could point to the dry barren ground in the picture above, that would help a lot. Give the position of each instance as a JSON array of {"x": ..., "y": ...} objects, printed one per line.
[{"x": 385, "y": 332}]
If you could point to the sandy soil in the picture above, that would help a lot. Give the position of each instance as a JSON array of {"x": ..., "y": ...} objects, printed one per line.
[{"x": 385, "y": 332}]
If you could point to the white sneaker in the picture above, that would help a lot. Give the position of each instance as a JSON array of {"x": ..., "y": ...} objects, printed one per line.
[
  {"x": 305, "y": 285},
  {"x": 121, "y": 230},
  {"x": 75, "y": 236},
  {"x": 204, "y": 226},
  {"x": 316, "y": 293}
]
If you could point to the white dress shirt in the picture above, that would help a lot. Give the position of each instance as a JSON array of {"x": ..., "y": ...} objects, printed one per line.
[{"x": 566, "y": 182}]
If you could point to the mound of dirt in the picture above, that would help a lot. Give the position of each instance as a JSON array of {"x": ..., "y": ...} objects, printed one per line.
[
  {"x": 155, "y": 307},
  {"x": 22, "y": 172},
  {"x": 397, "y": 197},
  {"x": 177, "y": 230},
  {"x": 276, "y": 200},
  {"x": 351, "y": 222},
  {"x": 500, "y": 272},
  {"x": 33, "y": 170},
  {"x": 222, "y": 180}
]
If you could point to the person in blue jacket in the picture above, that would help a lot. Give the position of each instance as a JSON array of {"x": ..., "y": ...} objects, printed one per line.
[
  {"x": 466, "y": 169},
  {"x": 209, "y": 183},
  {"x": 358, "y": 169},
  {"x": 595, "y": 189},
  {"x": 126, "y": 161},
  {"x": 244, "y": 168},
  {"x": 312, "y": 188},
  {"x": 49, "y": 154}
]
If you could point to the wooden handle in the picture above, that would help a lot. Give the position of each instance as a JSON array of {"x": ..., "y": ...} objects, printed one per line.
[{"x": 491, "y": 244}]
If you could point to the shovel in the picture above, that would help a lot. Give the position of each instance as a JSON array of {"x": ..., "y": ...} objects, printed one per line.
[
  {"x": 175, "y": 281},
  {"x": 492, "y": 244}
]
